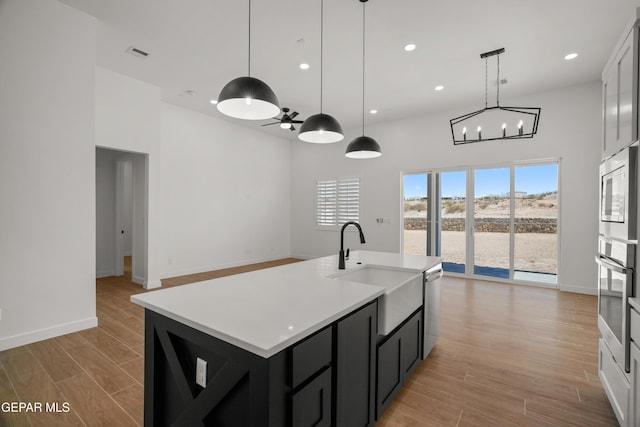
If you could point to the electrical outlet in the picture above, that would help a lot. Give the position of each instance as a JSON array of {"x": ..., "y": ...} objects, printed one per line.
[{"x": 201, "y": 372}]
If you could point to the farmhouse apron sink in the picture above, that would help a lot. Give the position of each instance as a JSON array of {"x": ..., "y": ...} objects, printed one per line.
[{"x": 403, "y": 292}]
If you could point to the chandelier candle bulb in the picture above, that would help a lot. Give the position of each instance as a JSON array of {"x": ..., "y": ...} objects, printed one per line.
[
  {"x": 464, "y": 133},
  {"x": 520, "y": 123},
  {"x": 479, "y": 132},
  {"x": 504, "y": 130}
]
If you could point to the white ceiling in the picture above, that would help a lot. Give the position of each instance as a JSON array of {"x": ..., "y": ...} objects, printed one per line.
[{"x": 199, "y": 45}]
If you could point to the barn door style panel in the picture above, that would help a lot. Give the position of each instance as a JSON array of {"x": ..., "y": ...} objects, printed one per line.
[{"x": 238, "y": 389}]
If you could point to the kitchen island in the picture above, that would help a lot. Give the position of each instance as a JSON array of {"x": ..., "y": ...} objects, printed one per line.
[{"x": 289, "y": 345}]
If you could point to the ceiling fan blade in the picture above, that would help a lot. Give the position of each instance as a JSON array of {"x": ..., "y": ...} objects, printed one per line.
[
  {"x": 297, "y": 121},
  {"x": 274, "y": 123},
  {"x": 292, "y": 115}
]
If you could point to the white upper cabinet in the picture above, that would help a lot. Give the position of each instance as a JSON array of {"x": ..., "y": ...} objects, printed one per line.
[{"x": 620, "y": 93}]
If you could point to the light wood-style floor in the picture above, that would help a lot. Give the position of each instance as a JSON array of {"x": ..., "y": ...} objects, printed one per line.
[{"x": 507, "y": 356}]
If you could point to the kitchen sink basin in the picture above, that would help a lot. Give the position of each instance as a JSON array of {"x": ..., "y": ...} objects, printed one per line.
[{"x": 403, "y": 292}]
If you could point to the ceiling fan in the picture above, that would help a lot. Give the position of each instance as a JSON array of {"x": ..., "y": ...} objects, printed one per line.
[{"x": 286, "y": 121}]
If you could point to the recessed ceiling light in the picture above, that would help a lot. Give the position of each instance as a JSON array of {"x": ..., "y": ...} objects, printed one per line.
[
  {"x": 439, "y": 88},
  {"x": 214, "y": 101},
  {"x": 304, "y": 66},
  {"x": 409, "y": 47},
  {"x": 571, "y": 56},
  {"x": 373, "y": 111}
]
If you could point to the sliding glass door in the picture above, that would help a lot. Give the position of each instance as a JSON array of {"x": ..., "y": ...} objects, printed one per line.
[
  {"x": 416, "y": 213},
  {"x": 499, "y": 222},
  {"x": 453, "y": 224},
  {"x": 491, "y": 222},
  {"x": 535, "y": 252}
]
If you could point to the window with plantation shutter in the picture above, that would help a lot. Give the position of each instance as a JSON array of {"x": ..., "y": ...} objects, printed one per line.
[{"x": 338, "y": 201}]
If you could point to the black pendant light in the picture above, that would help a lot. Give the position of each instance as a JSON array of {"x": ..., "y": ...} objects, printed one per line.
[
  {"x": 363, "y": 147},
  {"x": 321, "y": 128},
  {"x": 248, "y": 98}
]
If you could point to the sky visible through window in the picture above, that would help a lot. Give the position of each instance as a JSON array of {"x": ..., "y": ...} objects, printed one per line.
[{"x": 534, "y": 179}]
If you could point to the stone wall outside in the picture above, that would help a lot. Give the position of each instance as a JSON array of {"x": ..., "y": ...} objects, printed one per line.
[{"x": 495, "y": 225}]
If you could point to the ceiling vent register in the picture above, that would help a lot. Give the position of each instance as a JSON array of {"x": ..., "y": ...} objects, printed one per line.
[{"x": 137, "y": 52}]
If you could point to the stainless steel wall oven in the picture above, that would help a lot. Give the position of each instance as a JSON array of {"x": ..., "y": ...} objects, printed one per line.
[
  {"x": 617, "y": 251},
  {"x": 615, "y": 284}
]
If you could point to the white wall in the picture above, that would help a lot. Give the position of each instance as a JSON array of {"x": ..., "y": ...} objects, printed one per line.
[
  {"x": 127, "y": 206},
  {"x": 218, "y": 192},
  {"x": 47, "y": 170},
  {"x": 140, "y": 224},
  {"x": 128, "y": 119},
  {"x": 570, "y": 129},
  {"x": 225, "y": 194},
  {"x": 105, "y": 212}
]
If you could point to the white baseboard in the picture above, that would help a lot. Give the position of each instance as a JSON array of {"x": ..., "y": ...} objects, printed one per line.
[
  {"x": 578, "y": 290},
  {"x": 214, "y": 267},
  {"x": 151, "y": 284},
  {"x": 105, "y": 273},
  {"x": 137, "y": 279},
  {"x": 305, "y": 257},
  {"x": 46, "y": 333}
]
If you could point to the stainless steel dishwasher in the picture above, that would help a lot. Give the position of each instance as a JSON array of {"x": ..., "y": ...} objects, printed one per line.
[{"x": 431, "y": 308}]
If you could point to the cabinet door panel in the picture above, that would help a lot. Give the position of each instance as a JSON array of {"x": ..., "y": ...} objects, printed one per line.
[
  {"x": 614, "y": 382},
  {"x": 355, "y": 365},
  {"x": 310, "y": 356},
  {"x": 634, "y": 414},
  {"x": 625, "y": 94},
  {"x": 390, "y": 372},
  {"x": 311, "y": 405},
  {"x": 610, "y": 96},
  {"x": 411, "y": 345},
  {"x": 619, "y": 98}
]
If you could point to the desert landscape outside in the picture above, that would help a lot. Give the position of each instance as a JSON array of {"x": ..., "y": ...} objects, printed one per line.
[{"x": 535, "y": 246}]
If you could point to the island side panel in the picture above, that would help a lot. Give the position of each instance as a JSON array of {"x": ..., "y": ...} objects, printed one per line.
[{"x": 239, "y": 383}]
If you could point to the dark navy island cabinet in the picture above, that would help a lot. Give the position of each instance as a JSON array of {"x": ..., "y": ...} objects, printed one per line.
[
  {"x": 327, "y": 379},
  {"x": 399, "y": 354}
]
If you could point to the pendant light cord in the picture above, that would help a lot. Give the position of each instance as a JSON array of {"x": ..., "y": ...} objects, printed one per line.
[
  {"x": 249, "y": 62},
  {"x": 486, "y": 79},
  {"x": 321, "y": 47},
  {"x": 498, "y": 82},
  {"x": 363, "y": 61}
]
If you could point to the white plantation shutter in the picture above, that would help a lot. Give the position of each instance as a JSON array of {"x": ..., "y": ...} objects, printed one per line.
[
  {"x": 327, "y": 199},
  {"x": 338, "y": 201},
  {"x": 348, "y": 200}
]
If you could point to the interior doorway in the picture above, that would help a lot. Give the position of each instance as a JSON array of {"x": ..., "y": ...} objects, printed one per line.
[{"x": 121, "y": 214}]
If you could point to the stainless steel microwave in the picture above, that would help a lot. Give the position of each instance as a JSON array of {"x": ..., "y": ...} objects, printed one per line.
[{"x": 618, "y": 195}]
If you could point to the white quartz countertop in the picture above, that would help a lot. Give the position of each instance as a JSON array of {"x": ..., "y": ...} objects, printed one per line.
[{"x": 268, "y": 310}]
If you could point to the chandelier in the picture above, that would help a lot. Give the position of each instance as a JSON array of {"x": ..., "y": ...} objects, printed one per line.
[{"x": 498, "y": 122}]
